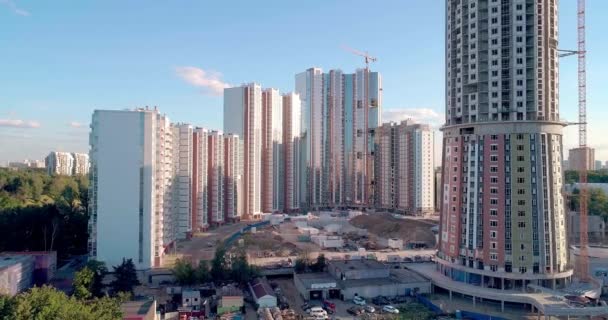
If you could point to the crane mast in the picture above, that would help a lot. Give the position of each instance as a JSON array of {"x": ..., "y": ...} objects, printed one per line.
[{"x": 583, "y": 261}]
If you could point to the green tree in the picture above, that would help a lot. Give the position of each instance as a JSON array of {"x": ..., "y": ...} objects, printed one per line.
[
  {"x": 7, "y": 307},
  {"x": 218, "y": 265},
  {"x": 47, "y": 303},
  {"x": 319, "y": 265},
  {"x": 125, "y": 277},
  {"x": 202, "y": 272},
  {"x": 99, "y": 270},
  {"x": 597, "y": 202},
  {"x": 83, "y": 283},
  {"x": 184, "y": 272}
]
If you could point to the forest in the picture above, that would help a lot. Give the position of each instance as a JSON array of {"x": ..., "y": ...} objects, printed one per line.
[{"x": 43, "y": 212}]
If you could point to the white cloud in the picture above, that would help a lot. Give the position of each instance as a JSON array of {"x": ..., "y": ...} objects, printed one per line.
[
  {"x": 210, "y": 82},
  {"x": 75, "y": 124},
  {"x": 14, "y": 123},
  {"x": 420, "y": 115},
  {"x": 13, "y": 6}
]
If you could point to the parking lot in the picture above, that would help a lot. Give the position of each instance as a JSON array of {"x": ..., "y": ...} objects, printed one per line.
[{"x": 296, "y": 301}]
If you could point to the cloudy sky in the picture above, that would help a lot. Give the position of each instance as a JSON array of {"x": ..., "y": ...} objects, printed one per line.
[{"x": 60, "y": 60}]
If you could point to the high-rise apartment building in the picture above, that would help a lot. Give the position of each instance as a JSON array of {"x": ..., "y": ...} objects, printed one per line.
[
  {"x": 200, "y": 175},
  {"x": 291, "y": 148},
  {"x": 130, "y": 196},
  {"x": 340, "y": 113},
  {"x": 502, "y": 216},
  {"x": 66, "y": 163},
  {"x": 81, "y": 164},
  {"x": 182, "y": 184},
  {"x": 579, "y": 158},
  {"x": 215, "y": 185},
  {"x": 233, "y": 172},
  {"x": 404, "y": 168},
  {"x": 243, "y": 117},
  {"x": 273, "y": 169}
]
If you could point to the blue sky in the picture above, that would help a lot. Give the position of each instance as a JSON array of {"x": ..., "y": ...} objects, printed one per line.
[{"x": 60, "y": 60}]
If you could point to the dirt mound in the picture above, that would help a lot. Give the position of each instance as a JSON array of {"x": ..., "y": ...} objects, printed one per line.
[{"x": 386, "y": 226}]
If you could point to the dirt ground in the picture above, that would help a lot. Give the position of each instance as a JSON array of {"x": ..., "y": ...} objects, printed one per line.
[
  {"x": 268, "y": 242},
  {"x": 387, "y": 226}
]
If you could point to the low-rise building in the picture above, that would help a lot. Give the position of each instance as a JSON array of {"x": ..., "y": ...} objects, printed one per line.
[
  {"x": 139, "y": 310},
  {"x": 346, "y": 279},
  {"x": 45, "y": 264},
  {"x": 231, "y": 299},
  {"x": 262, "y": 293},
  {"x": 16, "y": 273}
]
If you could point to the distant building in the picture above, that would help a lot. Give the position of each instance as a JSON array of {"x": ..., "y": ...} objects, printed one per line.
[
  {"x": 576, "y": 158},
  {"x": 16, "y": 273},
  {"x": 200, "y": 175},
  {"x": 66, "y": 163},
  {"x": 182, "y": 182},
  {"x": 598, "y": 165},
  {"x": 262, "y": 293},
  {"x": 243, "y": 117},
  {"x": 131, "y": 191},
  {"x": 26, "y": 164},
  {"x": 291, "y": 146},
  {"x": 438, "y": 191},
  {"x": 273, "y": 168},
  {"x": 404, "y": 168}
]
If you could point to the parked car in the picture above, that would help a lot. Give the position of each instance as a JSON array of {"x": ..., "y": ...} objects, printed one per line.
[
  {"x": 329, "y": 305},
  {"x": 369, "y": 309},
  {"x": 355, "y": 311},
  {"x": 390, "y": 309},
  {"x": 380, "y": 301},
  {"x": 359, "y": 301},
  {"x": 318, "y": 312},
  {"x": 399, "y": 299}
]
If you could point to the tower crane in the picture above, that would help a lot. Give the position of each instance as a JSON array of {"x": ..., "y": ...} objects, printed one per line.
[
  {"x": 365, "y": 55},
  {"x": 582, "y": 266}
]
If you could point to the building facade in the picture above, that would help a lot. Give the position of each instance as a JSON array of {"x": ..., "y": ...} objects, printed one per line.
[
  {"x": 502, "y": 216},
  {"x": 130, "y": 195},
  {"x": 66, "y": 163},
  {"x": 273, "y": 169},
  {"x": 182, "y": 184},
  {"x": 404, "y": 168},
  {"x": 340, "y": 113},
  {"x": 243, "y": 117},
  {"x": 200, "y": 175},
  {"x": 233, "y": 172},
  {"x": 579, "y": 158},
  {"x": 291, "y": 148},
  {"x": 215, "y": 161}
]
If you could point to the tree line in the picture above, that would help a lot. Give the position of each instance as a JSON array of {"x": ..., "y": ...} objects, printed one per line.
[
  {"x": 43, "y": 212},
  {"x": 593, "y": 176},
  {"x": 223, "y": 268}
]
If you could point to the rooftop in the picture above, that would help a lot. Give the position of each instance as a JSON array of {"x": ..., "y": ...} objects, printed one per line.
[
  {"x": 261, "y": 288},
  {"x": 310, "y": 279},
  {"x": 140, "y": 307},
  {"x": 9, "y": 260},
  {"x": 357, "y": 264}
]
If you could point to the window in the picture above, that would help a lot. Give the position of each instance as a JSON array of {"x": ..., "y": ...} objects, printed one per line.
[
  {"x": 493, "y": 268},
  {"x": 493, "y": 256},
  {"x": 493, "y": 212},
  {"x": 520, "y": 158},
  {"x": 493, "y": 169},
  {"x": 494, "y": 201},
  {"x": 494, "y": 137},
  {"x": 523, "y": 269},
  {"x": 521, "y": 224},
  {"x": 521, "y": 202},
  {"x": 494, "y": 147},
  {"x": 493, "y": 158},
  {"x": 520, "y": 147},
  {"x": 521, "y": 191},
  {"x": 493, "y": 223},
  {"x": 521, "y": 180},
  {"x": 520, "y": 169},
  {"x": 493, "y": 179},
  {"x": 493, "y": 234},
  {"x": 519, "y": 136},
  {"x": 493, "y": 245},
  {"x": 521, "y": 213},
  {"x": 494, "y": 190},
  {"x": 522, "y": 246}
]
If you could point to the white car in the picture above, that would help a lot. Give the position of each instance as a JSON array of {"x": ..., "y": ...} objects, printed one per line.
[
  {"x": 359, "y": 301},
  {"x": 390, "y": 309},
  {"x": 318, "y": 312}
]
